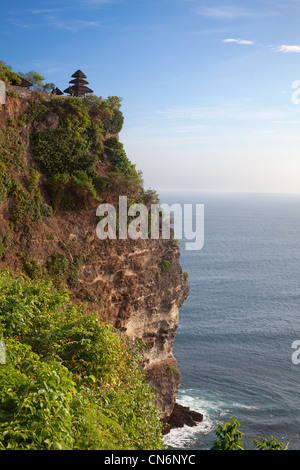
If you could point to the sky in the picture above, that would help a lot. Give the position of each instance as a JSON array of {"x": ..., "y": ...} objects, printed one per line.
[{"x": 210, "y": 89}]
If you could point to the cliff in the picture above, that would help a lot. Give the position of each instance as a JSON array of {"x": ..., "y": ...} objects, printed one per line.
[{"x": 48, "y": 225}]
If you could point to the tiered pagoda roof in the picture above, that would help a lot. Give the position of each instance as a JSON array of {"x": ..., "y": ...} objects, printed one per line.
[{"x": 78, "y": 87}]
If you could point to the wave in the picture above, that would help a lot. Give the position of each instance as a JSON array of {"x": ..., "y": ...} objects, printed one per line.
[
  {"x": 187, "y": 436},
  {"x": 214, "y": 410},
  {"x": 246, "y": 407}
]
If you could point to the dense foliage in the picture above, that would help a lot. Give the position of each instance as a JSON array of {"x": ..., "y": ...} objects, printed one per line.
[
  {"x": 230, "y": 438},
  {"x": 6, "y": 73},
  {"x": 106, "y": 113},
  {"x": 69, "y": 381},
  {"x": 69, "y": 147},
  {"x": 124, "y": 176},
  {"x": 28, "y": 205},
  {"x": 68, "y": 152}
]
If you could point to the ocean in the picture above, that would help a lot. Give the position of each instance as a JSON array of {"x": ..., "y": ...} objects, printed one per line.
[{"x": 237, "y": 327}]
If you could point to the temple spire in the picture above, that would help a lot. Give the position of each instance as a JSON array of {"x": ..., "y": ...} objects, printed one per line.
[{"x": 78, "y": 87}]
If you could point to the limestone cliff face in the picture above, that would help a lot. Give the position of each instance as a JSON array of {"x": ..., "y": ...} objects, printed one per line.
[{"x": 120, "y": 279}]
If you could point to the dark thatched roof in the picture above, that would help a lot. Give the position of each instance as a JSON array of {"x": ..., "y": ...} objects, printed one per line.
[
  {"x": 81, "y": 81},
  {"x": 57, "y": 92},
  {"x": 78, "y": 90},
  {"x": 79, "y": 74},
  {"x": 24, "y": 83}
]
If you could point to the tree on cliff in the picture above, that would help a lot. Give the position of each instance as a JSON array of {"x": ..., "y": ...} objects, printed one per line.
[
  {"x": 37, "y": 81},
  {"x": 7, "y": 75}
]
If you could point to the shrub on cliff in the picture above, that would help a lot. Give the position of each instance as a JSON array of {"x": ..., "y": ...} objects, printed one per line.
[
  {"x": 69, "y": 381},
  {"x": 37, "y": 81},
  {"x": 124, "y": 176},
  {"x": 62, "y": 151},
  {"x": 67, "y": 154},
  {"x": 106, "y": 112},
  {"x": 7, "y": 75},
  {"x": 69, "y": 192},
  {"x": 12, "y": 149},
  {"x": 71, "y": 146},
  {"x": 122, "y": 164},
  {"x": 230, "y": 438}
]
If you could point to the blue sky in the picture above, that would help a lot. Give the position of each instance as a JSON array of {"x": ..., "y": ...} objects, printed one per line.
[{"x": 211, "y": 89}]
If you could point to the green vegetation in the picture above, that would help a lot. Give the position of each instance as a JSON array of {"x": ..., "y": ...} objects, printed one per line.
[
  {"x": 69, "y": 381},
  {"x": 6, "y": 73},
  {"x": 70, "y": 147},
  {"x": 106, "y": 113},
  {"x": 28, "y": 203},
  {"x": 13, "y": 94},
  {"x": 58, "y": 267},
  {"x": 166, "y": 266},
  {"x": 124, "y": 175},
  {"x": 229, "y": 438},
  {"x": 12, "y": 150},
  {"x": 33, "y": 269},
  {"x": 67, "y": 153},
  {"x": 150, "y": 196},
  {"x": 72, "y": 191},
  {"x": 28, "y": 206},
  {"x": 5, "y": 183},
  {"x": 37, "y": 81},
  {"x": 115, "y": 150},
  {"x": 36, "y": 111},
  {"x": 5, "y": 241}
]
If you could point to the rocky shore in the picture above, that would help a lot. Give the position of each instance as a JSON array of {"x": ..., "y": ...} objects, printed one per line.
[{"x": 181, "y": 416}]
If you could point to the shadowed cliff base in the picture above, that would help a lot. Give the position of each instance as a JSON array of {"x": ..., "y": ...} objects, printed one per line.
[{"x": 181, "y": 416}]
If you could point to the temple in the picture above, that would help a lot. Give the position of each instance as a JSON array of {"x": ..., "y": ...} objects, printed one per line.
[{"x": 78, "y": 87}]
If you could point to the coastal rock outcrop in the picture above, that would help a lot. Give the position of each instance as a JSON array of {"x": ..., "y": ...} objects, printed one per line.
[{"x": 182, "y": 416}]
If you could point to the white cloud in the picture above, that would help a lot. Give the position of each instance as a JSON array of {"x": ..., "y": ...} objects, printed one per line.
[
  {"x": 94, "y": 3},
  {"x": 240, "y": 41},
  {"x": 224, "y": 113},
  {"x": 286, "y": 49},
  {"x": 43, "y": 11},
  {"x": 71, "y": 25},
  {"x": 223, "y": 12}
]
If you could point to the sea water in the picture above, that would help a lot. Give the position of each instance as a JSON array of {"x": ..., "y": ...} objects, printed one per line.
[{"x": 236, "y": 329}]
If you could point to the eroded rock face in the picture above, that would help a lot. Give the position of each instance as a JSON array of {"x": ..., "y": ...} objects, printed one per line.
[
  {"x": 144, "y": 303},
  {"x": 157, "y": 326}
]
